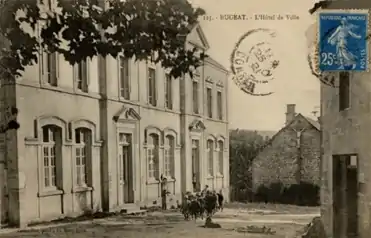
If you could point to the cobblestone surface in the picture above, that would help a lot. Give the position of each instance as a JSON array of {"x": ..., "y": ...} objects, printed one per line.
[{"x": 159, "y": 224}]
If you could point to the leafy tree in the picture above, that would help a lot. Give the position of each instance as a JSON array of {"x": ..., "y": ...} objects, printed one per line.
[
  {"x": 80, "y": 29},
  {"x": 244, "y": 147}
]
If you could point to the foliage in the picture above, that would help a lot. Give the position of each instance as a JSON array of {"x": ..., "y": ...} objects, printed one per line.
[
  {"x": 78, "y": 29},
  {"x": 244, "y": 147},
  {"x": 304, "y": 194}
]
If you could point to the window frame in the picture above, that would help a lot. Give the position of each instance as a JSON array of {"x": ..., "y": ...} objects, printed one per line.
[
  {"x": 84, "y": 145},
  {"x": 209, "y": 102},
  {"x": 50, "y": 68},
  {"x": 210, "y": 157},
  {"x": 151, "y": 86},
  {"x": 168, "y": 91},
  {"x": 51, "y": 143},
  {"x": 124, "y": 93},
  {"x": 152, "y": 157},
  {"x": 219, "y": 103},
  {"x": 82, "y": 84},
  {"x": 220, "y": 168},
  {"x": 169, "y": 157},
  {"x": 196, "y": 97}
]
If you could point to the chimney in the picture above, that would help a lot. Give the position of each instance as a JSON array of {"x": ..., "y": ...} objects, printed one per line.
[{"x": 290, "y": 113}]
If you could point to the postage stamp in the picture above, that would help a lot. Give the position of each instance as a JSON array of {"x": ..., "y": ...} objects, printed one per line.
[
  {"x": 342, "y": 40},
  {"x": 253, "y": 62},
  {"x": 326, "y": 77}
]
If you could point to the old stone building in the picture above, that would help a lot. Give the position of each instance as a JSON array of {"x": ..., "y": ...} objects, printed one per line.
[
  {"x": 292, "y": 155},
  {"x": 346, "y": 130},
  {"x": 99, "y": 135}
]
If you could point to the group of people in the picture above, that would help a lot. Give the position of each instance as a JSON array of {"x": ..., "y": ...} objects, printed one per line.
[{"x": 206, "y": 202}]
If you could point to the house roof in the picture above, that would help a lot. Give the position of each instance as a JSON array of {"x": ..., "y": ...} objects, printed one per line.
[{"x": 314, "y": 123}]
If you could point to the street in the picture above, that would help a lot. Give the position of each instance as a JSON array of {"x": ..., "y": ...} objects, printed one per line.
[{"x": 172, "y": 224}]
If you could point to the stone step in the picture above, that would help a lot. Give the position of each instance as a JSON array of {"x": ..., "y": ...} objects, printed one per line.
[{"x": 133, "y": 209}]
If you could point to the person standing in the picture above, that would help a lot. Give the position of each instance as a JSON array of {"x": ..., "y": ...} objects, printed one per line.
[
  {"x": 164, "y": 192},
  {"x": 205, "y": 190}
]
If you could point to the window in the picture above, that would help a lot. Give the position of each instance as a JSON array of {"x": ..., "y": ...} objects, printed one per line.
[
  {"x": 196, "y": 102},
  {"x": 169, "y": 156},
  {"x": 51, "y": 155},
  {"x": 209, "y": 102},
  {"x": 344, "y": 91},
  {"x": 51, "y": 69},
  {"x": 82, "y": 76},
  {"x": 152, "y": 87},
  {"x": 220, "y": 105},
  {"x": 210, "y": 157},
  {"x": 152, "y": 156},
  {"x": 82, "y": 155},
  {"x": 220, "y": 157},
  {"x": 124, "y": 78},
  {"x": 168, "y": 92}
]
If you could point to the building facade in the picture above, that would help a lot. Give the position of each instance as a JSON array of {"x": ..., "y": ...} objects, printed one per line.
[
  {"x": 292, "y": 155},
  {"x": 346, "y": 125},
  {"x": 99, "y": 135}
]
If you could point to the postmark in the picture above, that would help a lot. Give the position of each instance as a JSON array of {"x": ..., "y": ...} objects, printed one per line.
[
  {"x": 253, "y": 62},
  {"x": 342, "y": 40}
]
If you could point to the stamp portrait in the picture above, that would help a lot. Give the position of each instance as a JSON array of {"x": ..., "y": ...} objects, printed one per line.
[
  {"x": 342, "y": 40},
  {"x": 253, "y": 62}
]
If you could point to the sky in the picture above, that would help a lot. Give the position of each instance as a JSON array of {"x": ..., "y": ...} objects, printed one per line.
[{"x": 293, "y": 83}]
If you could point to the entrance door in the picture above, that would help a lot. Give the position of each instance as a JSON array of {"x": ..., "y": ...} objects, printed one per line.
[
  {"x": 126, "y": 168},
  {"x": 345, "y": 196},
  {"x": 196, "y": 181},
  {"x": 352, "y": 197}
]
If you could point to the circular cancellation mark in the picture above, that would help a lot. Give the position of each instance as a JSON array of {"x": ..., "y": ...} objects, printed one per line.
[{"x": 253, "y": 62}]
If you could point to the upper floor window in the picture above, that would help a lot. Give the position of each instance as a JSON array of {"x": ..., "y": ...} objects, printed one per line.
[
  {"x": 51, "y": 147},
  {"x": 344, "y": 91},
  {"x": 124, "y": 78},
  {"x": 209, "y": 99},
  {"x": 82, "y": 76},
  {"x": 51, "y": 67},
  {"x": 152, "y": 89},
  {"x": 168, "y": 92},
  {"x": 196, "y": 102},
  {"x": 220, "y": 105}
]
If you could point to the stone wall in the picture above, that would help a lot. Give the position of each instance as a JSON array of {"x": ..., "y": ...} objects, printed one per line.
[{"x": 277, "y": 162}]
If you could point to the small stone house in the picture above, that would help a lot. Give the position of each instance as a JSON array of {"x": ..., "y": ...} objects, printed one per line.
[{"x": 292, "y": 155}]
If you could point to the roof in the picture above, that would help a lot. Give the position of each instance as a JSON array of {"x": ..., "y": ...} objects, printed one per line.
[
  {"x": 314, "y": 123},
  {"x": 212, "y": 61}
]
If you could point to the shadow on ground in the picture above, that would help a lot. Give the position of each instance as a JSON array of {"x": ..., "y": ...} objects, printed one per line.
[{"x": 154, "y": 224}]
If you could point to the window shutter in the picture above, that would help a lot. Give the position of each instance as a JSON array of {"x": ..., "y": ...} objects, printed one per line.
[
  {"x": 74, "y": 72},
  {"x": 87, "y": 67},
  {"x": 118, "y": 75},
  {"x": 128, "y": 67},
  {"x": 56, "y": 66}
]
